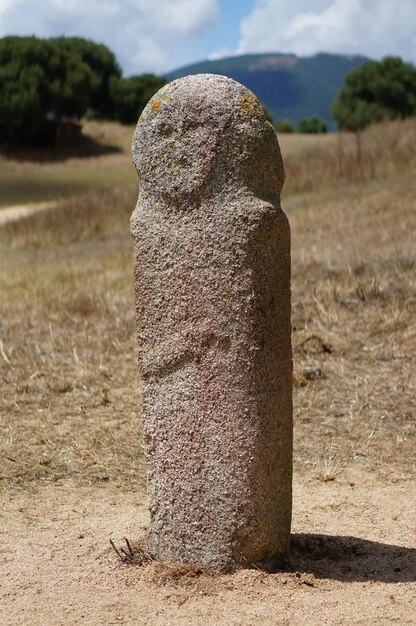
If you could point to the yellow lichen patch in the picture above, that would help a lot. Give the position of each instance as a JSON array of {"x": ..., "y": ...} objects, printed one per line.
[
  {"x": 154, "y": 106},
  {"x": 251, "y": 104}
]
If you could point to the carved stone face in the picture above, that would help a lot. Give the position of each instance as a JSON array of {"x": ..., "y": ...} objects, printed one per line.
[
  {"x": 176, "y": 152},
  {"x": 204, "y": 132}
]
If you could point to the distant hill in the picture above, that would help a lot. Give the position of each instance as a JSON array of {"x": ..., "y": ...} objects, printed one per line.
[{"x": 291, "y": 87}]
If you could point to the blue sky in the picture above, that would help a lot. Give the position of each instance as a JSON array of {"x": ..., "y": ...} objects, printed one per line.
[
  {"x": 161, "y": 35},
  {"x": 223, "y": 39}
]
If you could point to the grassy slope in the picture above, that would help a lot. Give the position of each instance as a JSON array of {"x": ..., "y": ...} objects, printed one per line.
[{"x": 67, "y": 353}]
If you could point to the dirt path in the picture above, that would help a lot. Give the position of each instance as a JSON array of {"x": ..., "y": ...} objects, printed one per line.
[
  {"x": 352, "y": 563},
  {"x": 15, "y": 213}
]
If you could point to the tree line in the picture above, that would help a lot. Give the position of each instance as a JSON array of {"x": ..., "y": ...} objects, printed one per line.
[
  {"x": 373, "y": 92},
  {"x": 376, "y": 91},
  {"x": 43, "y": 81},
  {"x": 307, "y": 125}
]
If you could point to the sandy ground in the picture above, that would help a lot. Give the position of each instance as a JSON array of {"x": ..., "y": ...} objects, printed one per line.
[{"x": 352, "y": 561}]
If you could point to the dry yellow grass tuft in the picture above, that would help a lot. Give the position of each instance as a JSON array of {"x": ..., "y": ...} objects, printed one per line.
[
  {"x": 109, "y": 133},
  {"x": 70, "y": 398},
  {"x": 354, "y": 305},
  {"x": 313, "y": 162}
]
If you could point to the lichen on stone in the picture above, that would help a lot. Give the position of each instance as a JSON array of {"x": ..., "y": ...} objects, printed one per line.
[
  {"x": 155, "y": 105},
  {"x": 251, "y": 104}
]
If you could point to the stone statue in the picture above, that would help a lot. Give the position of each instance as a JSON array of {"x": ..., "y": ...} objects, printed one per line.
[{"x": 212, "y": 289}]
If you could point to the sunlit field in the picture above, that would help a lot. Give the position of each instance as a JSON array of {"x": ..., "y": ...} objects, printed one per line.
[
  {"x": 67, "y": 318},
  {"x": 69, "y": 408}
]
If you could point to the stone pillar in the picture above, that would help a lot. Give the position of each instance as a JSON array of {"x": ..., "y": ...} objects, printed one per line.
[{"x": 212, "y": 288}]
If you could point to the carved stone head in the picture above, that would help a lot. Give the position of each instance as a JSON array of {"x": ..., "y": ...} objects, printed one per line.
[{"x": 204, "y": 135}]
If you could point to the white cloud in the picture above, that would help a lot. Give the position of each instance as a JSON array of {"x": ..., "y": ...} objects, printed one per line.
[
  {"x": 5, "y": 5},
  {"x": 220, "y": 53},
  {"x": 375, "y": 28},
  {"x": 144, "y": 34}
]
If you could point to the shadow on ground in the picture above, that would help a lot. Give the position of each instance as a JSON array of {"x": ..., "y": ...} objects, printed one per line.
[
  {"x": 350, "y": 559},
  {"x": 83, "y": 148}
]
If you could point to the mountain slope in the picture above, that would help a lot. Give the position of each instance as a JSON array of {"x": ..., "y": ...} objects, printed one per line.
[{"x": 291, "y": 87}]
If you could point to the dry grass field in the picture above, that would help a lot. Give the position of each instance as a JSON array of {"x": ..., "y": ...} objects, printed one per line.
[{"x": 71, "y": 462}]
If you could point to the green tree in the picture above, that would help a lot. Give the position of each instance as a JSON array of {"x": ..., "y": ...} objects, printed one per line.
[
  {"x": 312, "y": 125},
  {"x": 105, "y": 71},
  {"x": 375, "y": 91},
  {"x": 284, "y": 126},
  {"x": 39, "y": 83},
  {"x": 132, "y": 94},
  {"x": 45, "y": 80}
]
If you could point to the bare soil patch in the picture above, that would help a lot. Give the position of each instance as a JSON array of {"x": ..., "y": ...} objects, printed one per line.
[{"x": 352, "y": 561}]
